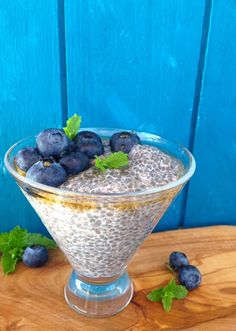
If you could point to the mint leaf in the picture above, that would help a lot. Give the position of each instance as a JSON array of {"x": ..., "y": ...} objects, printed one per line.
[
  {"x": 9, "y": 260},
  {"x": 171, "y": 286},
  {"x": 100, "y": 164},
  {"x": 167, "y": 294},
  {"x": 180, "y": 292},
  {"x": 38, "y": 239},
  {"x": 72, "y": 126},
  {"x": 4, "y": 242},
  {"x": 156, "y": 295},
  {"x": 113, "y": 161},
  {"x": 116, "y": 160},
  {"x": 17, "y": 237},
  {"x": 167, "y": 299}
]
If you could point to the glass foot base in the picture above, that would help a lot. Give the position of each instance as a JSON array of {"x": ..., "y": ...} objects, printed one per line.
[{"x": 98, "y": 299}]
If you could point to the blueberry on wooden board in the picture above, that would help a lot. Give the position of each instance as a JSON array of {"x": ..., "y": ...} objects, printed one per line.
[
  {"x": 178, "y": 259},
  {"x": 35, "y": 256},
  {"x": 190, "y": 277}
]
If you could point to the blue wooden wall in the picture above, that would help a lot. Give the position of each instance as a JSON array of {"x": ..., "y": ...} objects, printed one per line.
[{"x": 167, "y": 67}]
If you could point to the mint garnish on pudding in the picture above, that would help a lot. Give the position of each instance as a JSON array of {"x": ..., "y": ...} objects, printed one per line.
[
  {"x": 72, "y": 126},
  {"x": 115, "y": 160}
]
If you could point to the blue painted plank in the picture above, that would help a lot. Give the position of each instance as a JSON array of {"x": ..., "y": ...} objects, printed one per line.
[
  {"x": 133, "y": 64},
  {"x": 29, "y": 91},
  {"x": 212, "y": 197}
]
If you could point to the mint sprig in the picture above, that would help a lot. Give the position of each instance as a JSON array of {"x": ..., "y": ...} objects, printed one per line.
[
  {"x": 167, "y": 294},
  {"x": 113, "y": 161},
  {"x": 72, "y": 126},
  {"x": 13, "y": 244},
  {"x": 39, "y": 239}
]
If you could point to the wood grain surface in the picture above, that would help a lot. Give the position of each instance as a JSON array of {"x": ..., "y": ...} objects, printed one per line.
[{"x": 32, "y": 299}]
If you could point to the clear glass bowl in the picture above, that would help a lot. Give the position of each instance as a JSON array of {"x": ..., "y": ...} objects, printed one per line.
[{"x": 99, "y": 233}]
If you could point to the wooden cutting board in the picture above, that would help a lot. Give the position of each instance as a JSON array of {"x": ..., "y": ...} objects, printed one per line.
[{"x": 32, "y": 299}]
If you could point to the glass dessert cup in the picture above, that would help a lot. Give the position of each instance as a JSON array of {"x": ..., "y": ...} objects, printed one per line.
[{"x": 100, "y": 233}]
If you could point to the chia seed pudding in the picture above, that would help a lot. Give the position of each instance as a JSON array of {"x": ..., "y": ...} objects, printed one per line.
[{"x": 99, "y": 233}]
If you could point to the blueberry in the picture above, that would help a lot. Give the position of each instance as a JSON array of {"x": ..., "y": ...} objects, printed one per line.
[
  {"x": 123, "y": 141},
  {"x": 48, "y": 173},
  {"x": 84, "y": 136},
  {"x": 89, "y": 143},
  {"x": 72, "y": 146},
  {"x": 35, "y": 256},
  {"x": 189, "y": 276},
  {"x": 177, "y": 259},
  {"x": 26, "y": 157},
  {"x": 75, "y": 162},
  {"x": 52, "y": 142}
]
